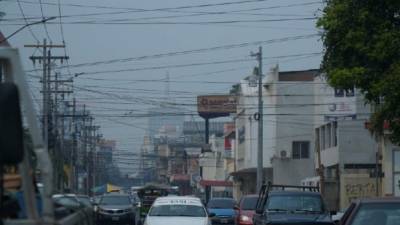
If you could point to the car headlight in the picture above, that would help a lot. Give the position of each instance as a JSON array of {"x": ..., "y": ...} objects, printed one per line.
[
  {"x": 244, "y": 218},
  {"x": 128, "y": 210},
  {"x": 100, "y": 210}
]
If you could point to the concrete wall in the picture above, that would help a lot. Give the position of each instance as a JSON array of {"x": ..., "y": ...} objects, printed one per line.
[
  {"x": 391, "y": 168},
  {"x": 294, "y": 109},
  {"x": 356, "y": 145},
  {"x": 292, "y": 171},
  {"x": 246, "y": 151}
]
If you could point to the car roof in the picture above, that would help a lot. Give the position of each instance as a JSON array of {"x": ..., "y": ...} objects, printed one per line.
[
  {"x": 64, "y": 195},
  {"x": 381, "y": 200},
  {"x": 222, "y": 199},
  {"x": 280, "y": 192},
  {"x": 177, "y": 200},
  {"x": 82, "y": 196}
]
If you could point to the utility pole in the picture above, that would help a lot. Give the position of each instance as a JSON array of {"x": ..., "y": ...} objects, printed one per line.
[
  {"x": 260, "y": 175},
  {"x": 74, "y": 147},
  {"x": 46, "y": 59}
]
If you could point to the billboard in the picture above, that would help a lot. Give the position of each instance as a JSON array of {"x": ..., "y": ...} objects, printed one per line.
[{"x": 212, "y": 106}]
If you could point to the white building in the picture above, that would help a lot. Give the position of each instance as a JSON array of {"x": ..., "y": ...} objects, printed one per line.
[
  {"x": 246, "y": 130},
  {"x": 345, "y": 149},
  {"x": 294, "y": 108}
]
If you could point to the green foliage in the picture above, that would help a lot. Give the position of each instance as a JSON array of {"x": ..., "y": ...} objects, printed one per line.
[
  {"x": 235, "y": 89},
  {"x": 362, "y": 49}
]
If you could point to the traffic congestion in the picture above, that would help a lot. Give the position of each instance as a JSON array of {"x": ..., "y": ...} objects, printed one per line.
[
  {"x": 274, "y": 205},
  {"x": 200, "y": 112}
]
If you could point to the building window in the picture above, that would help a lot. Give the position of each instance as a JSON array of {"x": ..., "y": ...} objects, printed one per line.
[
  {"x": 335, "y": 133},
  {"x": 328, "y": 135},
  {"x": 339, "y": 92},
  {"x": 350, "y": 92},
  {"x": 301, "y": 150}
]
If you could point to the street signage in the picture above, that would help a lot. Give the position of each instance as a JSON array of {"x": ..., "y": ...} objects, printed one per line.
[{"x": 212, "y": 106}]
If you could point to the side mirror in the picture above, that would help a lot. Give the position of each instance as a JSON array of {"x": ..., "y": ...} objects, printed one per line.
[
  {"x": 236, "y": 207},
  {"x": 211, "y": 215},
  {"x": 11, "y": 134}
]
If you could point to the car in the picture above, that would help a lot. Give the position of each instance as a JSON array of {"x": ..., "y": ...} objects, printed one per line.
[
  {"x": 291, "y": 205},
  {"x": 247, "y": 209},
  {"x": 224, "y": 210},
  {"x": 373, "y": 211},
  {"x": 66, "y": 204},
  {"x": 117, "y": 209},
  {"x": 85, "y": 200},
  {"x": 336, "y": 217},
  {"x": 177, "y": 210}
]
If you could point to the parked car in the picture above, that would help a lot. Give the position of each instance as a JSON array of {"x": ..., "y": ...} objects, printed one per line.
[
  {"x": 224, "y": 210},
  {"x": 291, "y": 205},
  {"x": 376, "y": 211},
  {"x": 338, "y": 216},
  {"x": 66, "y": 204},
  {"x": 117, "y": 208},
  {"x": 247, "y": 209},
  {"x": 174, "y": 210},
  {"x": 85, "y": 200}
]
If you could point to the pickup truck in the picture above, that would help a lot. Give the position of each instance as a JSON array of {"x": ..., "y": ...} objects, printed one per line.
[{"x": 290, "y": 205}]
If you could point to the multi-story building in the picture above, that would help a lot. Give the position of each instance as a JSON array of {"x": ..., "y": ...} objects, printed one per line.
[
  {"x": 246, "y": 133},
  {"x": 293, "y": 109},
  {"x": 345, "y": 149}
]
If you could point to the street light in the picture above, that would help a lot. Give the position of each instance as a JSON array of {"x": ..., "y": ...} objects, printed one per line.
[{"x": 26, "y": 25}]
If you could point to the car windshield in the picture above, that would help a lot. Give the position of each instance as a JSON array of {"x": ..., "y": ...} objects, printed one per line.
[
  {"x": 115, "y": 200},
  {"x": 377, "y": 213},
  {"x": 248, "y": 203},
  {"x": 294, "y": 203},
  {"x": 178, "y": 210},
  {"x": 221, "y": 204},
  {"x": 85, "y": 200}
]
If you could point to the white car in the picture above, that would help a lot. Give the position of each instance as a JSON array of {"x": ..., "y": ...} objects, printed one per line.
[{"x": 175, "y": 210}]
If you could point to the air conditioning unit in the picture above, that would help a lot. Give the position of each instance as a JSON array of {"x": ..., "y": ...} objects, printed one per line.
[{"x": 283, "y": 154}]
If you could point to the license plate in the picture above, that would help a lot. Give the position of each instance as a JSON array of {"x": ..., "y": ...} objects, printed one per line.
[
  {"x": 224, "y": 221},
  {"x": 114, "y": 218}
]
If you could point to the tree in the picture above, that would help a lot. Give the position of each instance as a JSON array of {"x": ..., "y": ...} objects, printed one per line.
[{"x": 362, "y": 49}]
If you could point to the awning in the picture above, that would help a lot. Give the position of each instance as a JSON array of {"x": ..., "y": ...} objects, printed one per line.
[{"x": 216, "y": 183}]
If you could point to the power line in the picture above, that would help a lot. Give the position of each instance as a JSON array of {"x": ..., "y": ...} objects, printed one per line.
[
  {"x": 193, "y": 51},
  {"x": 44, "y": 24},
  {"x": 172, "y": 10},
  {"x": 26, "y": 22},
  {"x": 157, "y": 9}
]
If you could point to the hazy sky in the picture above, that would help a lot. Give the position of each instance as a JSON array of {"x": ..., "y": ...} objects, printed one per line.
[{"x": 122, "y": 32}]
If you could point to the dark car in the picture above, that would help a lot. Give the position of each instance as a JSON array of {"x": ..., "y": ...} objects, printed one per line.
[
  {"x": 247, "y": 209},
  {"x": 295, "y": 205},
  {"x": 224, "y": 210},
  {"x": 376, "y": 211},
  {"x": 117, "y": 209},
  {"x": 85, "y": 200}
]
